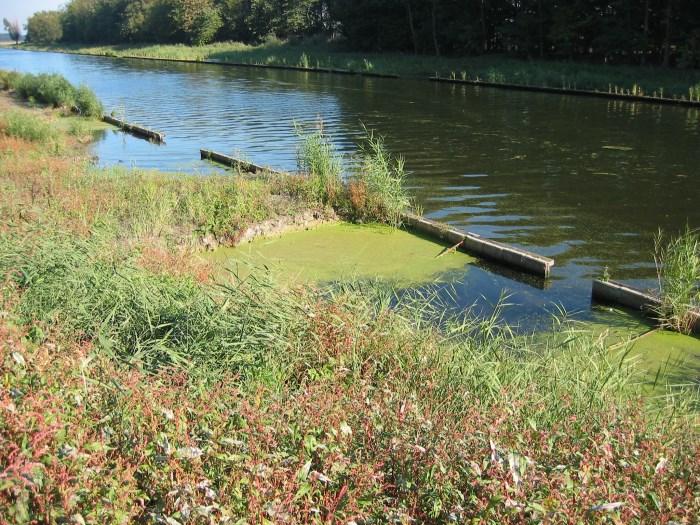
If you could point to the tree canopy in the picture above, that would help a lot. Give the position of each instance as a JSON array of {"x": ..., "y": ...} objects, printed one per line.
[
  {"x": 615, "y": 31},
  {"x": 44, "y": 27}
]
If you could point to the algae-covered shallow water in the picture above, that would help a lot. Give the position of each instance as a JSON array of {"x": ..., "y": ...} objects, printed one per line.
[
  {"x": 670, "y": 359},
  {"x": 338, "y": 251}
]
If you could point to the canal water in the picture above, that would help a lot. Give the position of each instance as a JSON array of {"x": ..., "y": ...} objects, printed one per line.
[{"x": 586, "y": 181}]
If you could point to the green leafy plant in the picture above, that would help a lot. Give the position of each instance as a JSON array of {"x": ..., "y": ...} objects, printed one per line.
[{"x": 54, "y": 90}]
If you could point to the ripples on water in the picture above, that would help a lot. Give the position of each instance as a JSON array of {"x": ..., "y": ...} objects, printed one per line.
[{"x": 587, "y": 181}]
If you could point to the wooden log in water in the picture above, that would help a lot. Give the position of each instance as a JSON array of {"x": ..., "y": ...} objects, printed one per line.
[
  {"x": 470, "y": 242},
  {"x": 613, "y": 292},
  {"x": 233, "y": 162},
  {"x": 134, "y": 129}
]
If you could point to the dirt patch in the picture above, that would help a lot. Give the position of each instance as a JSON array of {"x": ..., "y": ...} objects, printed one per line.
[{"x": 302, "y": 220}]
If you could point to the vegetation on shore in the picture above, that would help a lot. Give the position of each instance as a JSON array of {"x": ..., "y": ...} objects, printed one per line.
[
  {"x": 54, "y": 90},
  {"x": 634, "y": 80},
  {"x": 678, "y": 267},
  {"x": 136, "y": 387}
]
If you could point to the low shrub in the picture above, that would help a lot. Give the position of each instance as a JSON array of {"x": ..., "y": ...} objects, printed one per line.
[
  {"x": 87, "y": 103},
  {"x": 9, "y": 79},
  {"x": 54, "y": 90}
]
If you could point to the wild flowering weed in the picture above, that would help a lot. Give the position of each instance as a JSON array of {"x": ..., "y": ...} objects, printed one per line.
[{"x": 87, "y": 439}]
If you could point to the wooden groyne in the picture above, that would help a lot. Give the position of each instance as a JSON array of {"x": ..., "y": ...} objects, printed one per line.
[
  {"x": 472, "y": 243},
  {"x": 135, "y": 129},
  {"x": 233, "y": 162},
  {"x": 573, "y": 92},
  {"x": 613, "y": 292}
]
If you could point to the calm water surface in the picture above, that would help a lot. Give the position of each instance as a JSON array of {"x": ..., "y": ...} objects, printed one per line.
[{"x": 586, "y": 181}]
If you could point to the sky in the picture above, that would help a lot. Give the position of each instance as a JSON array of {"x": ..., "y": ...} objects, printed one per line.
[{"x": 23, "y": 9}]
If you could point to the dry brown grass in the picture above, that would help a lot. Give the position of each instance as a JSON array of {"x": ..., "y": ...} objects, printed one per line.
[{"x": 175, "y": 261}]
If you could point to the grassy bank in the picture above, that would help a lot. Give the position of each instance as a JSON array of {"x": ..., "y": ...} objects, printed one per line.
[
  {"x": 650, "y": 81},
  {"x": 136, "y": 387}
]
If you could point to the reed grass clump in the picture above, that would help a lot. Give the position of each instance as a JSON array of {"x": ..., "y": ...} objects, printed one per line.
[
  {"x": 377, "y": 190},
  {"x": 678, "y": 268},
  {"x": 322, "y": 165}
]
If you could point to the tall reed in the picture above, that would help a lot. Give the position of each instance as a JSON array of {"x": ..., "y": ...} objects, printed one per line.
[
  {"x": 318, "y": 159},
  {"x": 377, "y": 190},
  {"x": 678, "y": 268}
]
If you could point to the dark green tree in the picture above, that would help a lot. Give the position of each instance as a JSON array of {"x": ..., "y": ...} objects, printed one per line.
[{"x": 44, "y": 27}]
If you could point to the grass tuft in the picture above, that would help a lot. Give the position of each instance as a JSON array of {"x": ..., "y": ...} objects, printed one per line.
[
  {"x": 377, "y": 191},
  {"x": 678, "y": 268},
  {"x": 24, "y": 125},
  {"x": 318, "y": 159}
]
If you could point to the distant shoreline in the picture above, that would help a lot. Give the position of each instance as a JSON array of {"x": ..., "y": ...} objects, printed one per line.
[{"x": 631, "y": 83}]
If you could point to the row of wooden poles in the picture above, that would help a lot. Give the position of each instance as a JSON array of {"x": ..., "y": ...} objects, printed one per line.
[{"x": 609, "y": 292}]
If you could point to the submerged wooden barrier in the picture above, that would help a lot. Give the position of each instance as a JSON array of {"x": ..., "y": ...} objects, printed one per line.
[
  {"x": 478, "y": 245},
  {"x": 233, "y": 162},
  {"x": 134, "y": 129},
  {"x": 613, "y": 292},
  {"x": 573, "y": 92}
]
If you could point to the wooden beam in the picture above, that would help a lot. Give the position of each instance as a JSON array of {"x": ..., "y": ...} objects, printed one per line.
[
  {"x": 233, "y": 162},
  {"x": 135, "y": 129},
  {"x": 470, "y": 242},
  {"x": 613, "y": 292}
]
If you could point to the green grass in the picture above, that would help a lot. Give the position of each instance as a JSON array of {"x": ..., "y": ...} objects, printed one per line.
[
  {"x": 373, "y": 192},
  {"x": 351, "y": 390},
  {"x": 678, "y": 267},
  {"x": 649, "y": 81},
  {"x": 377, "y": 190},
  {"x": 24, "y": 125}
]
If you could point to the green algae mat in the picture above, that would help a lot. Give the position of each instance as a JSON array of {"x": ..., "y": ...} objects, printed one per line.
[
  {"x": 669, "y": 358},
  {"x": 340, "y": 251}
]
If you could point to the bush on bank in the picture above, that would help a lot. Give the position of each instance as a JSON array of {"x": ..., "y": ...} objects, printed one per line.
[{"x": 53, "y": 89}]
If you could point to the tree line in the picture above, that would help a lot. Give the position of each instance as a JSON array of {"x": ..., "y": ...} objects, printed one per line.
[{"x": 664, "y": 32}]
